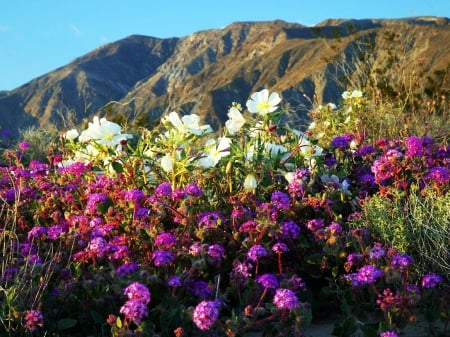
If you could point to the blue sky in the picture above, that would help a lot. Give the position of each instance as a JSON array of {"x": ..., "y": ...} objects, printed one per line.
[{"x": 38, "y": 36}]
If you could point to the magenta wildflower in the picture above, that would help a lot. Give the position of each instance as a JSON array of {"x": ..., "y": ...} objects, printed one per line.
[
  {"x": 413, "y": 146},
  {"x": 196, "y": 249},
  {"x": 382, "y": 169},
  {"x": 33, "y": 319},
  {"x": 134, "y": 310},
  {"x": 205, "y": 314},
  {"x": 285, "y": 299},
  {"x": 37, "y": 232},
  {"x": 256, "y": 252},
  {"x": 431, "y": 280},
  {"x": 24, "y": 146},
  {"x": 242, "y": 269},
  {"x": 98, "y": 246},
  {"x": 388, "y": 334},
  {"x": 249, "y": 226},
  {"x": 314, "y": 224},
  {"x": 138, "y": 292}
]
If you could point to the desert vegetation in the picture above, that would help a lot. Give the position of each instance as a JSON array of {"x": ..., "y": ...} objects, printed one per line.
[{"x": 180, "y": 231}]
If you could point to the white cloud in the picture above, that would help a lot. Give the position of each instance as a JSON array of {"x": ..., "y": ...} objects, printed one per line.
[{"x": 75, "y": 30}]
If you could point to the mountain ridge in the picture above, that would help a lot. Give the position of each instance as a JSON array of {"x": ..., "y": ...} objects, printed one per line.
[{"x": 142, "y": 77}]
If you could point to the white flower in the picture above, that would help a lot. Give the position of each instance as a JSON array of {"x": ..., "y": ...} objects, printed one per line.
[
  {"x": 307, "y": 149},
  {"x": 357, "y": 94},
  {"x": 262, "y": 103},
  {"x": 235, "y": 121},
  {"x": 167, "y": 163},
  {"x": 274, "y": 150},
  {"x": 250, "y": 183},
  {"x": 188, "y": 124},
  {"x": 215, "y": 153},
  {"x": 103, "y": 132},
  {"x": 71, "y": 134},
  {"x": 331, "y": 106},
  {"x": 332, "y": 183}
]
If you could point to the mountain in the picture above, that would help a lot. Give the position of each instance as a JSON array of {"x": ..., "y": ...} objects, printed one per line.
[{"x": 142, "y": 78}]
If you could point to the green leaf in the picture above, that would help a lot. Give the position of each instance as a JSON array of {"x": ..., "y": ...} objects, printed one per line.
[
  {"x": 66, "y": 323},
  {"x": 118, "y": 167}
]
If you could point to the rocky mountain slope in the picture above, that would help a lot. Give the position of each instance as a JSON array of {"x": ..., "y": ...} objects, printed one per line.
[{"x": 142, "y": 78}]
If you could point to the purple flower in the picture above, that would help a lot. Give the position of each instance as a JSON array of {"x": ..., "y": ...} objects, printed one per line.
[
  {"x": 413, "y": 146},
  {"x": 368, "y": 274},
  {"x": 256, "y": 252},
  {"x": 439, "y": 174},
  {"x": 290, "y": 229},
  {"x": 268, "y": 281},
  {"x": 126, "y": 269},
  {"x": 174, "y": 281},
  {"x": 193, "y": 190},
  {"x": 134, "y": 310},
  {"x": 216, "y": 251},
  {"x": 201, "y": 289},
  {"x": 134, "y": 195},
  {"x": 37, "y": 232},
  {"x": 205, "y": 314},
  {"x": 314, "y": 224},
  {"x": 280, "y": 247},
  {"x": 137, "y": 292},
  {"x": 280, "y": 200},
  {"x": 94, "y": 200},
  {"x": 210, "y": 219},
  {"x": 377, "y": 252},
  {"x": 364, "y": 151},
  {"x": 285, "y": 299},
  {"x": 164, "y": 190},
  {"x": 401, "y": 261},
  {"x": 340, "y": 142},
  {"x": 98, "y": 246},
  {"x": 431, "y": 280},
  {"x": 165, "y": 240},
  {"x": 388, "y": 334},
  {"x": 162, "y": 257}
]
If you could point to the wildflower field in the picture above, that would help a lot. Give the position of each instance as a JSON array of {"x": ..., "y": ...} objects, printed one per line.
[{"x": 180, "y": 231}]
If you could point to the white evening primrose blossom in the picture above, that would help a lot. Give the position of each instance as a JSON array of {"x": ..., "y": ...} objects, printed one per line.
[
  {"x": 235, "y": 121},
  {"x": 354, "y": 94},
  {"x": 71, "y": 134},
  {"x": 307, "y": 149},
  {"x": 261, "y": 103},
  {"x": 188, "y": 124},
  {"x": 103, "y": 132},
  {"x": 213, "y": 152},
  {"x": 167, "y": 163},
  {"x": 333, "y": 184},
  {"x": 250, "y": 183}
]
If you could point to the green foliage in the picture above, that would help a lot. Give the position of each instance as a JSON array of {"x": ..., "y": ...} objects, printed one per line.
[{"x": 418, "y": 225}]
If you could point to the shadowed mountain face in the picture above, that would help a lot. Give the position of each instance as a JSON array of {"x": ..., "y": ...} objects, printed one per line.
[{"x": 146, "y": 77}]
